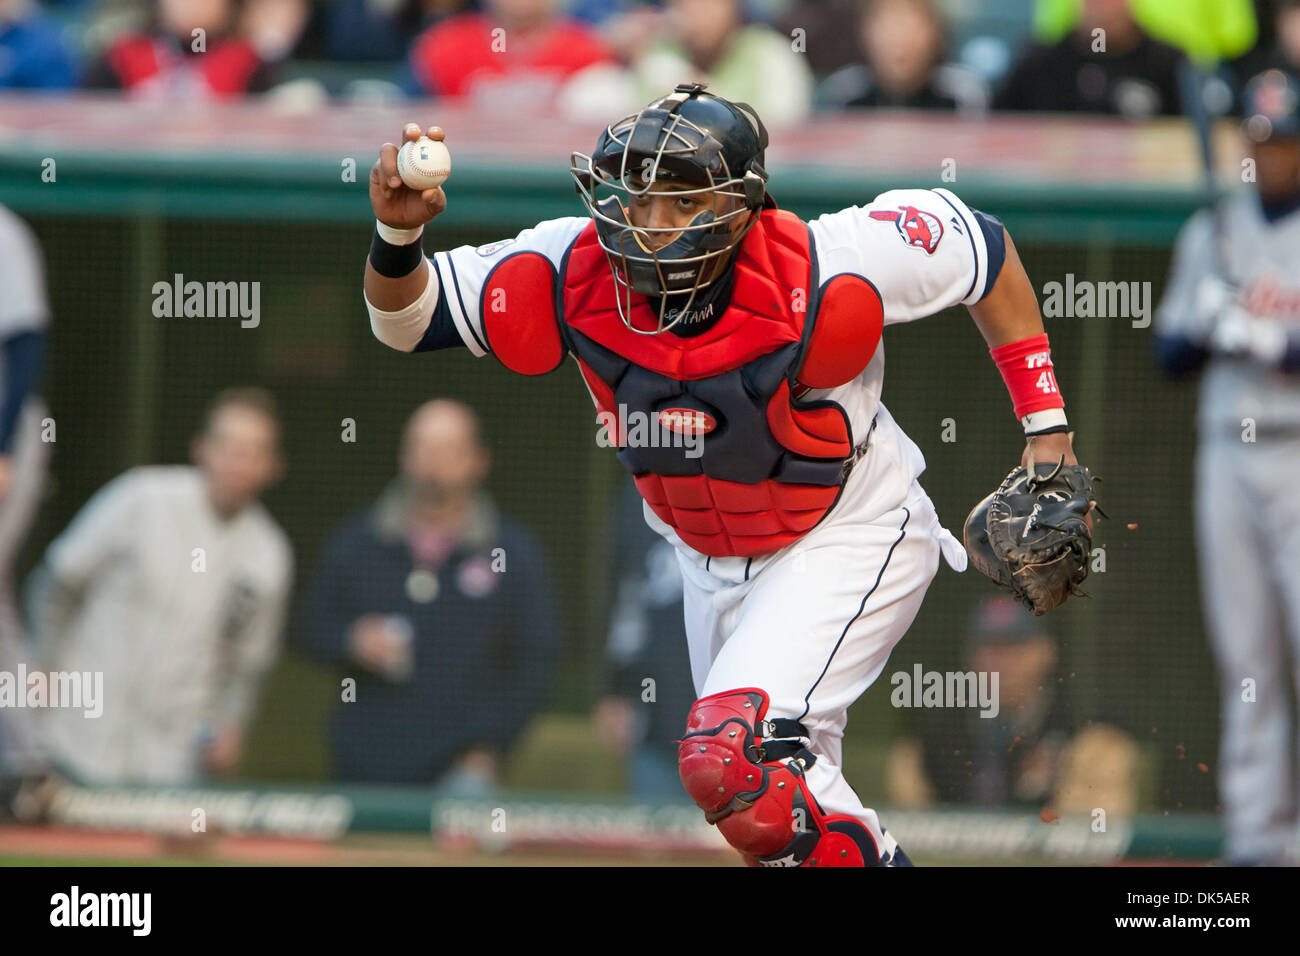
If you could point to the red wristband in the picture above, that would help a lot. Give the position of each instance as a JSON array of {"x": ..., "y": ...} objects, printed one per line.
[{"x": 1026, "y": 368}]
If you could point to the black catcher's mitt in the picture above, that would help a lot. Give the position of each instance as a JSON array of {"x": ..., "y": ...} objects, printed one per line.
[{"x": 1031, "y": 536}]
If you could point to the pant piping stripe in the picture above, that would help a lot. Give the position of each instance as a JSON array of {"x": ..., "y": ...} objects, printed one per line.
[{"x": 907, "y": 515}]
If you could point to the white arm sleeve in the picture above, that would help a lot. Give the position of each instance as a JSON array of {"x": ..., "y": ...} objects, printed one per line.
[
  {"x": 402, "y": 330},
  {"x": 100, "y": 533},
  {"x": 102, "y": 530},
  {"x": 23, "y": 305}
]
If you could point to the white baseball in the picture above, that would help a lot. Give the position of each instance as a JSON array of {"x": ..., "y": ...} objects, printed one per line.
[{"x": 423, "y": 164}]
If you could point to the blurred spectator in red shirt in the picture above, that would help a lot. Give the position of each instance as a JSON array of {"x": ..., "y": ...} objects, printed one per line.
[
  {"x": 519, "y": 52},
  {"x": 193, "y": 53},
  {"x": 1106, "y": 64},
  {"x": 903, "y": 44}
]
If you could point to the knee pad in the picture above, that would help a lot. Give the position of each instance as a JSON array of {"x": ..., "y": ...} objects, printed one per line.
[{"x": 747, "y": 774}]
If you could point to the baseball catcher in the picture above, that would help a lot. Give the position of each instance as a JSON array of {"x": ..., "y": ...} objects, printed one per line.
[{"x": 733, "y": 353}]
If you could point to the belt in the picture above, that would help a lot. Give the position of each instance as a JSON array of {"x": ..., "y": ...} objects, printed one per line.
[{"x": 860, "y": 452}]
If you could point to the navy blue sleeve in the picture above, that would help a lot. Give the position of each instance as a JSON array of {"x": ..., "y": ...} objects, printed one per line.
[
  {"x": 1291, "y": 358},
  {"x": 1179, "y": 356},
  {"x": 441, "y": 333},
  {"x": 327, "y": 612},
  {"x": 24, "y": 361},
  {"x": 995, "y": 242}
]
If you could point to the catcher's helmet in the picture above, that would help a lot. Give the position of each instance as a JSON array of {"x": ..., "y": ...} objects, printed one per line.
[
  {"x": 1271, "y": 105},
  {"x": 692, "y": 138}
]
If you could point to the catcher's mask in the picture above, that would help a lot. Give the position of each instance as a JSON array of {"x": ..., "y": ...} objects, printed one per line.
[{"x": 690, "y": 138}]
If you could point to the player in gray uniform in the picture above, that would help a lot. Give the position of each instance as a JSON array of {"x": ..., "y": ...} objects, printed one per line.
[
  {"x": 1232, "y": 308},
  {"x": 24, "y": 314},
  {"x": 170, "y": 587}
]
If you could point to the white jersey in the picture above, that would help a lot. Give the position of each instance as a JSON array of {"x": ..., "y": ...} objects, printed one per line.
[
  {"x": 23, "y": 306},
  {"x": 921, "y": 249},
  {"x": 1261, "y": 257},
  {"x": 181, "y": 612}
]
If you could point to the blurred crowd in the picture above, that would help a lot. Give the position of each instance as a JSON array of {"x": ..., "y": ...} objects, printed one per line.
[
  {"x": 588, "y": 59},
  {"x": 169, "y": 595}
]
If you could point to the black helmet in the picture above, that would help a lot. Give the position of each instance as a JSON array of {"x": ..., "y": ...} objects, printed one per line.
[
  {"x": 1271, "y": 104},
  {"x": 692, "y": 138}
]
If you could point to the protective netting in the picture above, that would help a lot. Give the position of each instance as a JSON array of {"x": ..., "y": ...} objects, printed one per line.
[{"x": 127, "y": 387}]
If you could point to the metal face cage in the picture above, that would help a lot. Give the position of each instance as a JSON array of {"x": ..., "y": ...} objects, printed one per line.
[{"x": 658, "y": 147}]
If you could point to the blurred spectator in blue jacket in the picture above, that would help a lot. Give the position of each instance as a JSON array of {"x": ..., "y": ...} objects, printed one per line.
[
  {"x": 903, "y": 44},
  {"x": 381, "y": 30},
  {"x": 32, "y": 52},
  {"x": 602, "y": 13},
  {"x": 440, "y": 609}
]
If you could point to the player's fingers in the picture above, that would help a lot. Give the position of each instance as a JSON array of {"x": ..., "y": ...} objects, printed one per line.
[
  {"x": 377, "y": 181},
  {"x": 412, "y": 132},
  {"x": 388, "y": 166},
  {"x": 437, "y": 133},
  {"x": 435, "y": 200}
]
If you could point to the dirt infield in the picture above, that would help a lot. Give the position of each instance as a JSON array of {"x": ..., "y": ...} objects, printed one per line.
[
  {"x": 68, "y": 846},
  {"x": 34, "y": 846}
]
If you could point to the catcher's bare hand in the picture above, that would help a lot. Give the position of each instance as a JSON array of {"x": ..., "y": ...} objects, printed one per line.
[
  {"x": 1047, "y": 449},
  {"x": 396, "y": 204}
]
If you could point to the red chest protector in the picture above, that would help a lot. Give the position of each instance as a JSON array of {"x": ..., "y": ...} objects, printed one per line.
[{"x": 709, "y": 426}]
